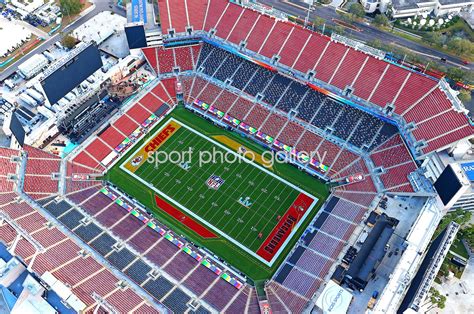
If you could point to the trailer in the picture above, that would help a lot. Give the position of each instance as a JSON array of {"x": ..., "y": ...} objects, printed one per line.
[
  {"x": 49, "y": 56},
  {"x": 28, "y": 100},
  {"x": 63, "y": 102},
  {"x": 35, "y": 95},
  {"x": 9, "y": 84}
]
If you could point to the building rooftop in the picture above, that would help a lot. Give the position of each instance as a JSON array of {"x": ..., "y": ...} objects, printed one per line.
[
  {"x": 449, "y": 2},
  {"x": 100, "y": 27},
  {"x": 408, "y": 4}
]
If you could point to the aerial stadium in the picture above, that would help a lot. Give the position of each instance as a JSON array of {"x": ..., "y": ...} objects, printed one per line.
[{"x": 347, "y": 129}]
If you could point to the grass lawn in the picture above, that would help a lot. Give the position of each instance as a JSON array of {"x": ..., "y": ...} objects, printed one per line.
[
  {"x": 269, "y": 192},
  {"x": 458, "y": 248}
]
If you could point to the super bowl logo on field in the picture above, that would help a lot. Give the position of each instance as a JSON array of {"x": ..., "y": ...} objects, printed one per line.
[{"x": 137, "y": 160}]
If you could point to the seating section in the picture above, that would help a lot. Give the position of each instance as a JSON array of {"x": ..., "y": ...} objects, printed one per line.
[
  {"x": 343, "y": 121},
  {"x": 8, "y": 168},
  {"x": 278, "y": 126},
  {"x": 284, "y": 300},
  {"x": 166, "y": 60},
  {"x": 436, "y": 122},
  {"x": 391, "y": 84},
  {"x": 310, "y": 262},
  {"x": 119, "y": 135},
  {"x": 396, "y": 163},
  {"x": 330, "y": 61},
  {"x": 142, "y": 249},
  {"x": 369, "y": 78},
  {"x": 41, "y": 173},
  {"x": 54, "y": 252}
]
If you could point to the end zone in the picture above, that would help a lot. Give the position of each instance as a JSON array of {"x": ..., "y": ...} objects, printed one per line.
[{"x": 285, "y": 227}]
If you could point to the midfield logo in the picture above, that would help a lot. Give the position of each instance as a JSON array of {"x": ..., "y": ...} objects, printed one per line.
[{"x": 214, "y": 182}]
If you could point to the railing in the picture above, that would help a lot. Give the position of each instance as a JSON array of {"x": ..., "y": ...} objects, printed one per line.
[{"x": 358, "y": 46}]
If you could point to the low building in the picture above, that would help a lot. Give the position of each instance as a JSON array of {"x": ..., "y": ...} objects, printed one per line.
[
  {"x": 25, "y": 8},
  {"x": 408, "y": 8},
  {"x": 100, "y": 27}
]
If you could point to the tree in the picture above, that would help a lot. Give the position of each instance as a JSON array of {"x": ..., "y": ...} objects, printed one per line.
[
  {"x": 318, "y": 22},
  {"x": 381, "y": 19},
  {"x": 68, "y": 41},
  {"x": 376, "y": 43},
  {"x": 433, "y": 38},
  {"x": 338, "y": 29},
  {"x": 467, "y": 234},
  {"x": 465, "y": 96},
  {"x": 70, "y": 7},
  {"x": 456, "y": 74},
  {"x": 442, "y": 302},
  {"x": 346, "y": 17},
  {"x": 357, "y": 10},
  {"x": 461, "y": 46}
]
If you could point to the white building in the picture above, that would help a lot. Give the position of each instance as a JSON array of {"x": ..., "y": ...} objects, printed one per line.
[
  {"x": 100, "y": 27},
  {"x": 12, "y": 36},
  {"x": 33, "y": 66},
  {"x": 407, "y": 8},
  {"x": 25, "y": 7}
]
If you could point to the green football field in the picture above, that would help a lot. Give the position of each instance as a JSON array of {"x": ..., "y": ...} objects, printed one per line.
[{"x": 241, "y": 202}]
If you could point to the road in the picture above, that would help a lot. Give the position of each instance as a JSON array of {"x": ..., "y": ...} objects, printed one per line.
[
  {"x": 100, "y": 6},
  {"x": 368, "y": 33},
  {"x": 295, "y": 7}
]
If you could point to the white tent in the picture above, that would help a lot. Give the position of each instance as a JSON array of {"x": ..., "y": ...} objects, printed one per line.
[{"x": 334, "y": 299}]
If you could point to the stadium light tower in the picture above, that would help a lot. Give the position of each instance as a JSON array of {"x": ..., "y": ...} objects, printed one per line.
[{"x": 310, "y": 6}]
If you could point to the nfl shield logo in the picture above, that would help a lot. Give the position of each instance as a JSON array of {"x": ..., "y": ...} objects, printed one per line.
[{"x": 214, "y": 182}]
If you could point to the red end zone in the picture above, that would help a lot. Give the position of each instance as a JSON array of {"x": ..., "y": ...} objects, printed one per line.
[
  {"x": 184, "y": 219},
  {"x": 280, "y": 233}
]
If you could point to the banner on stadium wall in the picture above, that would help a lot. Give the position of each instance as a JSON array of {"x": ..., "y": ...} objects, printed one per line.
[
  {"x": 139, "y": 11},
  {"x": 151, "y": 146},
  {"x": 136, "y": 134},
  {"x": 149, "y": 121},
  {"x": 468, "y": 170}
]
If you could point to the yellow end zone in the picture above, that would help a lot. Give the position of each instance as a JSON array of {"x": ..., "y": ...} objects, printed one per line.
[
  {"x": 236, "y": 146},
  {"x": 151, "y": 146}
]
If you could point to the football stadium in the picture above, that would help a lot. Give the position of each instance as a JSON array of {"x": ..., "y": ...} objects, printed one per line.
[
  {"x": 251, "y": 175},
  {"x": 223, "y": 195}
]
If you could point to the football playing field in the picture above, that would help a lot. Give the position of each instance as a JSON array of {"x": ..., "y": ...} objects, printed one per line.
[
  {"x": 198, "y": 179},
  {"x": 249, "y": 213}
]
